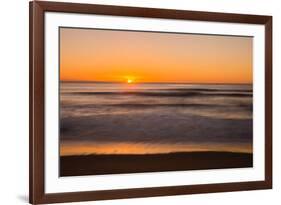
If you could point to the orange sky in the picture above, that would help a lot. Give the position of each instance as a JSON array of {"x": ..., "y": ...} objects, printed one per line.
[{"x": 106, "y": 55}]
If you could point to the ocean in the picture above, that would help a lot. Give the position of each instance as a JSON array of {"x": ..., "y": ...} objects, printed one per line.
[{"x": 147, "y": 118}]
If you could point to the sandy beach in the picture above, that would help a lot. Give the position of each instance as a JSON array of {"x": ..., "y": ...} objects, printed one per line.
[{"x": 128, "y": 163}]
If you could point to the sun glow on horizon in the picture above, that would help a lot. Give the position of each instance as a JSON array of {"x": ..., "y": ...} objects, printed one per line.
[{"x": 129, "y": 79}]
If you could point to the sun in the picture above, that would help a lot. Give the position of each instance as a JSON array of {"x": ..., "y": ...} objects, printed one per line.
[{"x": 129, "y": 81}]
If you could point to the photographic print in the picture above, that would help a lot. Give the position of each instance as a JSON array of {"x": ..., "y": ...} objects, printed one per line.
[
  {"x": 128, "y": 102},
  {"x": 139, "y": 101}
]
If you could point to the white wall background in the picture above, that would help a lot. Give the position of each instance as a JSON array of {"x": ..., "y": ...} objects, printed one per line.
[{"x": 14, "y": 101}]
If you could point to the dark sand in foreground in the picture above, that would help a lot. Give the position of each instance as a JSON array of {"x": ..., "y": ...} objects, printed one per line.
[{"x": 128, "y": 163}]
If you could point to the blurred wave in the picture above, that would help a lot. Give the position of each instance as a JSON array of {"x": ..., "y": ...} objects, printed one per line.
[{"x": 153, "y": 114}]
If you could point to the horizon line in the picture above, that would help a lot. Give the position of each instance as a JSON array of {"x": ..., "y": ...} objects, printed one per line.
[{"x": 162, "y": 82}]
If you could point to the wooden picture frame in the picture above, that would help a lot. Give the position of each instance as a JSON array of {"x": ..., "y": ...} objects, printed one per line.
[{"x": 37, "y": 194}]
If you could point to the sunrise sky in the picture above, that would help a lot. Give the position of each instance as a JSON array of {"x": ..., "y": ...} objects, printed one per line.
[{"x": 126, "y": 56}]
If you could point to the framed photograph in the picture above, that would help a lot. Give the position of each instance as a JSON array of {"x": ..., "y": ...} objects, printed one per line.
[{"x": 139, "y": 102}]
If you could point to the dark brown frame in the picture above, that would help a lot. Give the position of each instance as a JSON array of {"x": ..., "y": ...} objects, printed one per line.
[{"x": 37, "y": 193}]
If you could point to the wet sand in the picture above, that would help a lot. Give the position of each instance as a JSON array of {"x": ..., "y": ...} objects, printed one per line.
[{"x": 97, "y": 164}]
